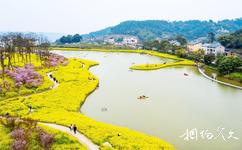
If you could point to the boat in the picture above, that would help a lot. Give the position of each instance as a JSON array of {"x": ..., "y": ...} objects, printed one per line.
[{"x": 142, "y": 97}]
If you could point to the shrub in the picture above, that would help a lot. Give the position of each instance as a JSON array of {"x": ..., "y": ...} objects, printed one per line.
[
  {"x": 208, "y": 59},
  {"x": 228, "y": 65},
  {"x": 19, "y": 145},
  {"x": 18, "y": 134},
  {"x": 55, "y": 60},
  {"x": 26, "y": 92},
  {"x": 10, "y": 94},
  {"x": 46, "y": 139}
]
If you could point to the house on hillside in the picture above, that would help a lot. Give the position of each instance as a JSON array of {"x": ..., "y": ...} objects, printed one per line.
[
  {"x": 122, "y": 40},
  {"x": 130, "y": 40},
  {"x": 110, "y": 40},
  {"x": 213, "y": 48},
  {"x": 191, "y": 47},
  {"x": 175, "y": 43}
]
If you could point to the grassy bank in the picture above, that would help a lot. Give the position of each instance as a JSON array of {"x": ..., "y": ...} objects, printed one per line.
[
  {"x": 159, "y": 66},
  {"x": 178, "y": 62},
  {"x": 227, "y": 79},
  {"x": 62, "y": 106}
]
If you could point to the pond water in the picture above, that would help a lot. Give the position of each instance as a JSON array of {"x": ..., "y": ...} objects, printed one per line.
[{"x": 175, "y": 104}]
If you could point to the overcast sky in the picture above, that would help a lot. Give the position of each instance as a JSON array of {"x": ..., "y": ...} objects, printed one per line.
[{"x": 84, "y": 16}]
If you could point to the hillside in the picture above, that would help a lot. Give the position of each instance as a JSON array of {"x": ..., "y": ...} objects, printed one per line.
[
  {"x": 152, "y": 29},
  {"x": 233, "y": 40}
]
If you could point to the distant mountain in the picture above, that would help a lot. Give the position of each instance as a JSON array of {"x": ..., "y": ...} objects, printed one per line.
[{"x": 153, "y": 29}]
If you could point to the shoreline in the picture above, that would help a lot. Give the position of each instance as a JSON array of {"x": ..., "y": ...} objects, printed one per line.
[
  {"x": 178, "y": 61},
  {"x": 146, "y": 67},
  {"x": 223, "y": 83}
]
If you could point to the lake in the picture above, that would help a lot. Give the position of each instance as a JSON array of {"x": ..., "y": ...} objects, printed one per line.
[{"x": 175, "y": 104}]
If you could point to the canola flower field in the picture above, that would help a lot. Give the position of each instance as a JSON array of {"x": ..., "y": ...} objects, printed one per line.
[{"x": 61, "y": 106}]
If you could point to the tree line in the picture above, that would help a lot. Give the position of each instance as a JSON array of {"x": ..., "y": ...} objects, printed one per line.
[
  {"x": 69, "y": 39},
  {"x": 17, "y": 47},
  {"x": 233, "y": 40},
  {"x": 165, "y": 44}
]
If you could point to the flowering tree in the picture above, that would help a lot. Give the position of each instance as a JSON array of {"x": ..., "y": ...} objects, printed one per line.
[
  {"x": 55, "y": 60},
  {"x": 25, "y": 76}
]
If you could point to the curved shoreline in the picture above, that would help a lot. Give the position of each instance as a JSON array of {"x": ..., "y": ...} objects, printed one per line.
[
  {"x": 178, "y": 61},
  {"x": 223, "y": 83},
  {"x": 148, "y": 67}
]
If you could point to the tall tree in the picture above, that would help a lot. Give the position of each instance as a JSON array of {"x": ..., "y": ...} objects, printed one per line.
[
  {"x": 182, "y": 40},
  {"x": 211, "y": 37}
]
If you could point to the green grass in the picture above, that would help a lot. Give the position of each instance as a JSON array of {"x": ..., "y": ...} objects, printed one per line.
[
  {"x": 237, "y": 76},
  {"x": 62, "y": 106}
]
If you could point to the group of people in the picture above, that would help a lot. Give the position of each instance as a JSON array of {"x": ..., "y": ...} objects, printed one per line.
[
  {"x": 54, "y": 79},
  {"x": 73, "y": 127}
]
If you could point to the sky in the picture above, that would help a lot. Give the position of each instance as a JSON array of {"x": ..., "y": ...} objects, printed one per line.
[{"x": 84, "y": 16}]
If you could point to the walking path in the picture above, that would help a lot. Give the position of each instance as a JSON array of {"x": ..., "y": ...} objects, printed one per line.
[
  {"x": 56, "y": 84},
  {"x": 227, "y": 84},
  {"x": 81, "y": 138}
]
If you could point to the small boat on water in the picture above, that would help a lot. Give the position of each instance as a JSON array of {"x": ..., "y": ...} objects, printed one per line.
[{"x": 142, "y": 97}]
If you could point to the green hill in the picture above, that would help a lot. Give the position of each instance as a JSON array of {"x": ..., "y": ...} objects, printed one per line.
[{"x": 152, "y": 29}]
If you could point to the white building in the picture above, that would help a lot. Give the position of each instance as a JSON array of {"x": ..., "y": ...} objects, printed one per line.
[
  {"x": 175, "y": 43},
  {"x": 110, "y": 40},
  {"x": 122, "y": 40},
  {"x": 132, "y": 41},
  {"x": 214, "y": 48}
]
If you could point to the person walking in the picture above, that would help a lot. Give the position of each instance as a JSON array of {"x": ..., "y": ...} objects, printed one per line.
[
  {"x": 74, "y": 128},
  {"x": 71, "y": 127}
]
